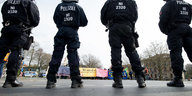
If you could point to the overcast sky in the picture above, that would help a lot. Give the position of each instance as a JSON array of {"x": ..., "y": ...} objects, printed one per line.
[{"x": 93, "y": 38}]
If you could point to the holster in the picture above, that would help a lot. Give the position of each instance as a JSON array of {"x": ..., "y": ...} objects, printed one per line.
[
  {"x": 136, "y": 36},
  {"x": 28, "y": 43}
]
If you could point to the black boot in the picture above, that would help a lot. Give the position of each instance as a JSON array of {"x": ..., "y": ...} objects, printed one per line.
[
  {"x": 76, "y": 82},
  {"x": 50, "y": 85},
  {"x": 117, "y": 77},
  {"x": 51, "y": 80},
  {"x": 140, "y": 80},
  {"x": 176, "y": 82},
  {"x": 9, "y": 83}
]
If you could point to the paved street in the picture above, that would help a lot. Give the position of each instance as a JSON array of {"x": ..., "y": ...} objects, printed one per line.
[{"x": 36, "y": 87}]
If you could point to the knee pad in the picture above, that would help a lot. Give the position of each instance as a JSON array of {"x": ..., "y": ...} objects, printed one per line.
[
  {"x": 55, "y": 62},
  {"x": 71, "y": 50},
  {"x": 133, "y": 51},
  {"x": 58, "y": 48},
  {"x": 117, "y": 66},
  {"x": 58, "y": 53}
]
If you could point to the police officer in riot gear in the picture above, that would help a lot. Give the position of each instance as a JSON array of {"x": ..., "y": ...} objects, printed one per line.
[
  {"x": 68, "y": 17},
  {"x": 175, "y": 17},
  {"x": 18, "y": 16},
  {"x": 120, "y": 17}
]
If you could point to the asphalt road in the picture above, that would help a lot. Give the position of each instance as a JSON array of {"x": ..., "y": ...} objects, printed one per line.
[{"x": 36, "y": 87}]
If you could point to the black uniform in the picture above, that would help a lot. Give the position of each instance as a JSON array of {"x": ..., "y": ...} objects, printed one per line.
[
  {"x": 68, "y": 17},
  {"x": 18, "y": 15},
  {"x": 175, "y": 17},
  {"x": 120, "y": 17}
]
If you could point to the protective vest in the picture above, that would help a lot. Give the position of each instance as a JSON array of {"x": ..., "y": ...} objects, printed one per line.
[
  {"x": 67, "y": 14},
  {"x": 15, "y": 11},
  {"x": 122, "y": 10},
  {"x": 183, "y": 12}
]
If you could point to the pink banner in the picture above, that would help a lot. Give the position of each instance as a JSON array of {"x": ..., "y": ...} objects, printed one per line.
[{"x": 101, "y": 73}]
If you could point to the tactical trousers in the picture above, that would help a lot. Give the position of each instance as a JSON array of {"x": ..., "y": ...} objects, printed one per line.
[
  {"x": 180, "y": 37},
  {"x": 12, "y": 40},
  {"x": 121, "y": 34},
  {"x": 65, "y": 37}
]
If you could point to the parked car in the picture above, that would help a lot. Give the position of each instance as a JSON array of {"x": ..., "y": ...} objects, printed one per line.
[
  {"x": 30, "y": 74},
  {"x": 42, "y": 74}
]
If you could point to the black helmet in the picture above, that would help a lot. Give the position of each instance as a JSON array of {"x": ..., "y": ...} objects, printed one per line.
[{"x": 71, "y": 1}]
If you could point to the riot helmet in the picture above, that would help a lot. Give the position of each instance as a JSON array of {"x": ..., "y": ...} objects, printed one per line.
[{"x": 71, "y": 1}]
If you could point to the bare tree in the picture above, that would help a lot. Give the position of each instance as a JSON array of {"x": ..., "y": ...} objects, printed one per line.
[
  {"x": 44, "y": 61},
  {"x": 90, "y": 61},
  {"x": 38, "y": 54},
  {"x": 155, "y": 48},
  {"x": 157, "y": 58},
  {"x": 188, "y": 69},
  {"x": 31, "y": 52}
]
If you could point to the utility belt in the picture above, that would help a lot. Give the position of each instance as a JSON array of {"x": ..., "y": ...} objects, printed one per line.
[
  {"x": 181, "y": 22},
  {"x": 28, "y": 43},
  {"x": 111, "y": 22},
  {"x": 176, "y": 24},
  {"x": 10, "y": 23}
]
